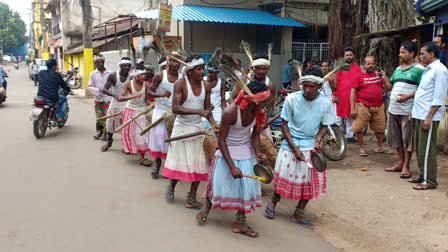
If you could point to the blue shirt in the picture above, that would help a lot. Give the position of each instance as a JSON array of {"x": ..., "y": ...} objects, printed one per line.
[
  {"x": 286, "y": 73},
  {"x": 305, "y": 119},
  {"x": 2, "y": 73},
  {"x": 442, "y": 58},
  {"x": 431, "y": 92}
]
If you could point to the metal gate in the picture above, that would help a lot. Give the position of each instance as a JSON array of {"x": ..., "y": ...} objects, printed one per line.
[{"x": 303, "y": 51}]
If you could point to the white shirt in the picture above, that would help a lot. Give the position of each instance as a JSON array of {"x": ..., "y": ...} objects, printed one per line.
[
  {"x": 431, "y": 92},
  {"x": 35, "y": 69},
  {"x": 97, "y": 81}
]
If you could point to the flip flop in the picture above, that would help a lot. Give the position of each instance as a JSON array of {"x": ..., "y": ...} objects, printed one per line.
[
  {"x": 303, "y": 223},
  {"x": 384, "y": 151},
  {"x": 248, "y": 230},
  {"x": 201, "y": 219},
  {"x": 169, "y": 195},
  {"x": 391, "y": 170},
  {"x": 266, "y": 213},
  {"x": 405, "y": 175},
  {"x": 197, "y": 206},
  {"x": 155, "y": 173},
  {"x": 415, "y": 180},
  {"x": 419, "y": 187},
  {"x": 363, "y": 154}
]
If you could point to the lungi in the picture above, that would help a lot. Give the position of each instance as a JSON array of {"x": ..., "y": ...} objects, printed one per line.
[
  {"x": 157, "y": 146},
  {"x": 130, "y": 137},
  {"x": 100, "y": 111}
]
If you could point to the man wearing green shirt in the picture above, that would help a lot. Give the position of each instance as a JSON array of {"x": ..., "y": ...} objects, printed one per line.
[{"x": 404, "y": 82}]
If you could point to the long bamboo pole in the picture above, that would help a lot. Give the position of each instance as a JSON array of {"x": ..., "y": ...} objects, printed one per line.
[{"x": 147, "y": 110}]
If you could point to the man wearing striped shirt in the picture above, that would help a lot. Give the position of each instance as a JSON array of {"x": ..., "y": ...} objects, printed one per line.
[{"x": 404, "y": 82}]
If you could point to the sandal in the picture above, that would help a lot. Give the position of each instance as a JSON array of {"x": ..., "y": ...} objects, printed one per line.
[
  {"x": 405, "y": 175},
  {"x": 145, "y": 162},
  {"x": 155, "y": 173},
  {"x": 383, "y": 151},
  {"x": 127, "y": 153},
  {"x": 363, "y": 154},
  {"x": 247, "y": 232},
  {"x": 423, "y": 187},
  {"x": 191, "y": 200},
  {"x": 267, "y": 210},
  {"x": 169, "y": 195},
  {"x": 303, "y": 223},
  {"x": 415, "y": 180},
  {"x": 201, "y": 219}
]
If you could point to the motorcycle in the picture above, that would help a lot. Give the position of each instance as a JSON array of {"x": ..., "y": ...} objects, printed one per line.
[
  {"x": 71, "y": 77},
  {"x": 16, "y": 66},
  {"x": 43, "y": 114},
  {"x": 2, "y": 94}
]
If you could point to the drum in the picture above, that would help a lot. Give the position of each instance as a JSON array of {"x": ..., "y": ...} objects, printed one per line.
[
  {"x": 210, "y": 144},
  {"x": 268, "y": 148},
  {"x": 170, "y": 124}
]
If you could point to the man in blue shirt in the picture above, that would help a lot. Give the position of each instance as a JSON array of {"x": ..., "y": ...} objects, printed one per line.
[
  {"x": 286, "y": 74},
  {"x": 427, "y": 112},
  {"x": 441, "y": 42},
  {"x": 3, "y": 74}
]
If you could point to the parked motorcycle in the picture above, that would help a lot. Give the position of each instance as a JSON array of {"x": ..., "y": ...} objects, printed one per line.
[
  {"x": 43, "y": 114},
  {"x": 71, "y": 77}
]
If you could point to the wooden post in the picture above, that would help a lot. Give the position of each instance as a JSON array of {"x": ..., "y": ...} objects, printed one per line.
[{"x": 87, "y": 41}]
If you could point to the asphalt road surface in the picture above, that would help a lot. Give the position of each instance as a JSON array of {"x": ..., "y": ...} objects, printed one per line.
[{"x": 60, "y": 193}]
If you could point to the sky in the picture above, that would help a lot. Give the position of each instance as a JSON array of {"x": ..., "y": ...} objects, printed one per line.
[{"x": 22, "y": 7}]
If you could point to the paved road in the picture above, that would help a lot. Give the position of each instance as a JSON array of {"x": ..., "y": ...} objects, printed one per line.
[{"x": 60, "y": 193}]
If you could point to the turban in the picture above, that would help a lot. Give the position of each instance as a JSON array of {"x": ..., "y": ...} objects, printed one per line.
[
  {"x": 261, "y": 62},
  {"x": 312, "y": 78},
  {"x": 244, "y": 99},
  {"x": 194, "y": 63},
  {"x": 98, "y": 57},
  {"x": 162, "y": 64},
  {"x": 125, "y": 62},
  {"x": 138, "y": 72},
  {"x": 139, "y": 60}
]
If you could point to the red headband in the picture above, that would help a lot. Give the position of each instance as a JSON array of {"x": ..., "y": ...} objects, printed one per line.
[{"x": 244, "y": 99}]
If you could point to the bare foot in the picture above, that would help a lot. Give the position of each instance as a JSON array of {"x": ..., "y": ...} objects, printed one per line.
[{"x": 396, "y": 168}]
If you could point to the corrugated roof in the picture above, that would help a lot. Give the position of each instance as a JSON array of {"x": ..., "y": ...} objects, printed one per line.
[
  {"x": 429, "y": 7},
  {"x": 222, "y": 15}
]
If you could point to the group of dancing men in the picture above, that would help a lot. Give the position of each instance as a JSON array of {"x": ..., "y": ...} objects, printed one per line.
[{"x": 198, "y": 101}]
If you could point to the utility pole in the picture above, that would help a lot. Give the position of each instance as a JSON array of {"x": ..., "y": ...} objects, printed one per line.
[
  {"x": 87, "y": 41},
  {"x": 43, "y": 28}
]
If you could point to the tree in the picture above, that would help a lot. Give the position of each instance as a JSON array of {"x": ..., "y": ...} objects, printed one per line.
[
  {"x": 12, "y": 28},
  {"x": 349, "y": 18}
]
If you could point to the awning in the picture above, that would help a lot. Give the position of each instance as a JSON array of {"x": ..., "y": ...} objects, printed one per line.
[
  {"x": 95, "y": 44},
  {"x": 430, "y": 7},
  {"x": 394, "y": 32},
  {"x": 222, "y": 15}
]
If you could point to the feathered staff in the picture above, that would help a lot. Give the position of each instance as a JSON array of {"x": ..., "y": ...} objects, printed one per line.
[
  {"x": 216, "y": 58},
  {"x": 228, "y": 66},
  {"x": 246, "y": 48},
  {"x": 270, "y": 47},
  {"x": 343, "y": 66},
  {"x": 163, "y": 51},
  {"x": 298, "y": 66},
  {"x": 228, "y": 60}
]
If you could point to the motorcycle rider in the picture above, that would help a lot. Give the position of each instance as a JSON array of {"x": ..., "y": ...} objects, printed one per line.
[
  {"x": 3, "y": 74},
  {"x": 49, "y": 82}
]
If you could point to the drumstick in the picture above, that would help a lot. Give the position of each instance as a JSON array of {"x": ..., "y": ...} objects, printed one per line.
[
  {"x": 108, "y": 116},
  {"x": 262, "y": 179},
  {"x": 202, "y": 132},
  {"x": 152, "y": 125},
  {"x": 145, "y": 111},
  {"x": 273, "y": 119}
]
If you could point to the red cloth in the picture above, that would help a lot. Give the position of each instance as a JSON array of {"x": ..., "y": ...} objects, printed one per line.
[
  {"x": 345, "y": 84},
  {"x": 370, "y": 89},
  {"x": 244, "y": 99}
]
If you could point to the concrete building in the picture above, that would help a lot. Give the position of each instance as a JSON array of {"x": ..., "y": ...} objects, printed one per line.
[{"x": 41, "y": 21}]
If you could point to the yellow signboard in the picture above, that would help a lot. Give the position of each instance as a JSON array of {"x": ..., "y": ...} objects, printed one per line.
[{"x": 165, "y": 12}]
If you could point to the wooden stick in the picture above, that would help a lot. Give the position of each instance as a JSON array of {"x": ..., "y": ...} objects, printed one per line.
[
  {"x": 273, "y": 119},
  {"x": 108, "y": 116},
  {"x": 152, "y": 125},
  {"x": 202, "y": 132},
  {"x": 147, "y": 109}
]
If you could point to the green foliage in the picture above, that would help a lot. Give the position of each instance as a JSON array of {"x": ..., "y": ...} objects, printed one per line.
[{"x": 12, "y": 28}]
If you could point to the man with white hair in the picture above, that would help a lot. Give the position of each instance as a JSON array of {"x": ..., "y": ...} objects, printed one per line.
[
  {"x": 114, "y": 86},
  {"x": 186, "y": 159},
  {"x": 97, "y": 81}
]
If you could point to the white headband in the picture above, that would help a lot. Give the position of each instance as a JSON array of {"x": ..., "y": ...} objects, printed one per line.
[
  {"x": 261, "y": 62},
  {"x": 312, "y": 78},
  {"x": 194, "y": 63},
  {"x": 138, "y": 72},
  {"x": 125, "y": 62},
  {"x": 162, "y": 64},
  {"x": 96, "y": 58}
]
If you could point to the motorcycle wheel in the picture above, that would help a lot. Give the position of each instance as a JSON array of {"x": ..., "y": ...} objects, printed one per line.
[
  {"x": 334, "y": 147},
  {"x": 60, "y": 125},
  {"x": 40, "y": 126},
  {"x": 74, "y": 83}
]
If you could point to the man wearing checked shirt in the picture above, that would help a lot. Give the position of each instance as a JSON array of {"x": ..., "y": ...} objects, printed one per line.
[{"x": 427, "y": 112}]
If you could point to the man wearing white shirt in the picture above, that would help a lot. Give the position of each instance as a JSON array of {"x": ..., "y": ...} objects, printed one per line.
[
  {"x": 427, "y": 112},
  {"x": 97, "y": 81},
  {"x": 35, "y": 68}
]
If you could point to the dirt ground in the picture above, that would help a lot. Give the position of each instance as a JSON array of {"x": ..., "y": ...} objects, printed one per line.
[{"x": 377, "y": 211}]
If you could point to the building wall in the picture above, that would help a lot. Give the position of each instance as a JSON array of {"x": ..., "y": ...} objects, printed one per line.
[{"x": 37, "y": 29}]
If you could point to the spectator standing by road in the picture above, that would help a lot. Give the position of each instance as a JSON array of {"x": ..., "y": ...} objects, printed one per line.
[
  {"x": 427, "y": 112},
  {"x": 367, "y": 105},
  {"x": 342, "y": 94},
  {"x": 286, "y": 74},
  {"x": 441, "y": 43},
  {"x": 35, "y": 68},
  {"x": 404, "y": 82}
]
